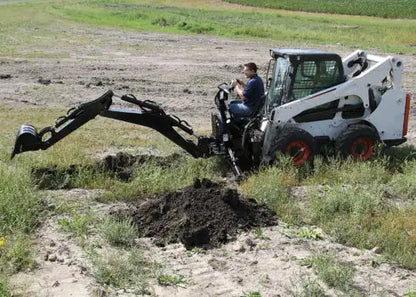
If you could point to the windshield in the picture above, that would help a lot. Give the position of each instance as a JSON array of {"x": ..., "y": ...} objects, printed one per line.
[{"x": 277, "y": 86}]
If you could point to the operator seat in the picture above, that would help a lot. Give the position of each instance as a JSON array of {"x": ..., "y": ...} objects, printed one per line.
[{"x": 257, "y": 108}]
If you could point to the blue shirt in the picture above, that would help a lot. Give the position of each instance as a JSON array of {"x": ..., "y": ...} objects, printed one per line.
[{"x": 253, "y": 90}]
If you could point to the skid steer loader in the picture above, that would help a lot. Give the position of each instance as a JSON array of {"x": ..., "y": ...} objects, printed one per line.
[{"x": 314, "y": 98}]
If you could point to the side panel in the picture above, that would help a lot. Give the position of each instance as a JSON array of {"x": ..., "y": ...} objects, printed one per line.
[{"x": 389, "y": 116}]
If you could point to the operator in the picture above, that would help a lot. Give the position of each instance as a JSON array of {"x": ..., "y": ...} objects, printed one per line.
[{"x": 250, "y": 93}]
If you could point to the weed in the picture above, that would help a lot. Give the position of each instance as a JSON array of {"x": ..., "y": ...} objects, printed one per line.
[
  {"x": 20, "y": 213},
  {"x": 335, "y": 274},
  {"x": 355, "y": 203},
  {"x": 309, "y": 288},
  {"x": 194, "y": 251},
  {"x": 259, "y": 234},
  {"x": 121, "y": 270},
  {"x": 350, "y": 172},
  {"x": 396, "y": 236},
  {"x": 19, "y": 204},
  {"x": 310, "y": 233},
  {"x": 399, "y": 156},
  {"x": 78, "y": 225},
  {"x": 405, "y": 183},
  {"x": 16, "y": 254},
  {"x": 171, "y": 280},
  {"x": 251, "y": 294},
  {"x": 410, "y": 293},
  {"x": 270, "y": 186},
  {"x": 287, "y": 232},
  {"x": 307, "y": 262},
  {"x": 4, "y": 288},
  {"x": 118, "y": 232}
]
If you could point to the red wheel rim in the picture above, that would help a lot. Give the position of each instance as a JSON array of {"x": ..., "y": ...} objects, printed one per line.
[
  {"x": 299, "y": 151},
  {"x": 362, "y": 148}
]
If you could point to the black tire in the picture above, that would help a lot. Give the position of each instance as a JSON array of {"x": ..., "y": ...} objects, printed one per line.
[
  {"x": 216, "y": 126},
  {"x": 296, "y": 143},
  {"x": 357, "y": 142}
]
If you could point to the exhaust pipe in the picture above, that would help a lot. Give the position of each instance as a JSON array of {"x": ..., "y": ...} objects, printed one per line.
[{"x": 27, "y": 139}]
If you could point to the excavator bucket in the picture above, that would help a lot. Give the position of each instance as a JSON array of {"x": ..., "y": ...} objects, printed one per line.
[{"x": 27, "y": 140}]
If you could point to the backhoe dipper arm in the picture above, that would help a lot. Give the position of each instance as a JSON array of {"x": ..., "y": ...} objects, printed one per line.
[{"x": 150, "y": 115}]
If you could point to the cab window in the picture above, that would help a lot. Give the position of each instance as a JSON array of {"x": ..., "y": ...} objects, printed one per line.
[{"x": 314, "y": 76}]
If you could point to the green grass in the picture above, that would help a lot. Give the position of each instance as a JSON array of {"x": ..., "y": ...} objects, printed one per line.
[
  {"x": 16, "y": 255},
  {"x": 20, "y": 213},
  {"x": 21, "y": 210},
  {"x": 171, "y": 280},
  {"x": 231, "y": 22},
  {"x": 4, "y": 290},
  {"x": 271, "y": 186},
  {"x": 79, "y": 225},
  {"x": 365, "y": 205},
  {"x": 349, "y": 172},
  {"x": 307, "y": 287},
  {"x": 333, "y": 273},
  {"x": 348, "y": 213},
  {"x": 19, "y": 204},
  {"x": 380, "y": 8},
  {"x": 251, "y": 294},
  {"x": 123, "y": 270},
  {"x": 151, "y": 179},
  {"x": 118, "y": 232},
  {"x": 188, "y": 17},
  {"x": 404, "y": 183},
  {"x": 119, "y": 265},
  {"x": 410, "y": 293}
]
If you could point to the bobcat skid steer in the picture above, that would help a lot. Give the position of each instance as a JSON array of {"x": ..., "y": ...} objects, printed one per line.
[{"x": 313, "y": 98}]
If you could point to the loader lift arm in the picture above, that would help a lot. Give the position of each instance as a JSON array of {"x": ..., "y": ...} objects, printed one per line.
[{"x": 149, "y": 114}]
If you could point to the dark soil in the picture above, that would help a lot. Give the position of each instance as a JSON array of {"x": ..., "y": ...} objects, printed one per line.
[
  {"x": 120, "y": 166},
  {"x": 205, "y": 214}
]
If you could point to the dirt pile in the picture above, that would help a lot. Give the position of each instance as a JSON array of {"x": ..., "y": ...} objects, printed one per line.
[
  {"x": 205, "y": 214},
  {"x": 120, "y": 166}
]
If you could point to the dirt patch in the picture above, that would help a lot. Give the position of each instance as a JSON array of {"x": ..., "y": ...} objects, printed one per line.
[
  {"x": 120, "y": 166},
  {"x": 205, "y": 214}
]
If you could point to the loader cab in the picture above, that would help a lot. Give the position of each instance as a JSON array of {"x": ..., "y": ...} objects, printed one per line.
[{"x": 295, "y": 74}]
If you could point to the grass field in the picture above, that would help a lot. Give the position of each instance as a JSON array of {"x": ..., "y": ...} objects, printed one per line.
[
  {"x": 212, "y": 18},
  {"x": 230, "y": 22},
  {"x": 383, "y": 8}
]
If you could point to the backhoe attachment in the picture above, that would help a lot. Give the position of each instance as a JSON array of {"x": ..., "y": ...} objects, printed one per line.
[{"x": 149, "y": 114}]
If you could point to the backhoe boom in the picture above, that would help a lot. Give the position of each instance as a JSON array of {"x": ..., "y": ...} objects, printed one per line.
[{"x": 150, "y": 115}]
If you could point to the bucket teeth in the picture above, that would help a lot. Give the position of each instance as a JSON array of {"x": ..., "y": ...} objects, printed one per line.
[{"x": 27, "y": 140}]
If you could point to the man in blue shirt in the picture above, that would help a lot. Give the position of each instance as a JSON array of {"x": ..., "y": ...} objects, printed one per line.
[{"x": 250, "y": 93}]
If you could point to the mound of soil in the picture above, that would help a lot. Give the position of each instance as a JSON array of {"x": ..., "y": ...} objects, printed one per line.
[
  {"x": 205, "y": 214},
  {"x": 120, "y": 166}
]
